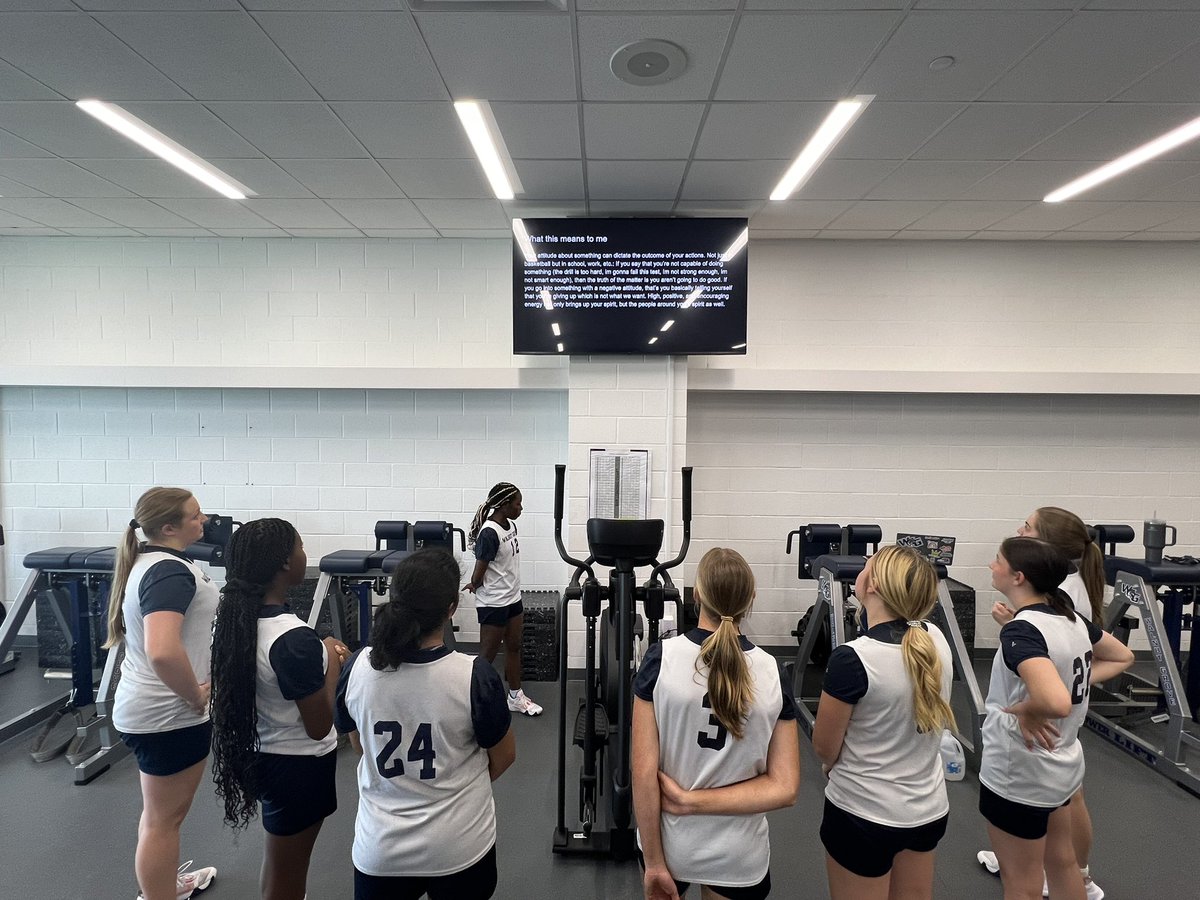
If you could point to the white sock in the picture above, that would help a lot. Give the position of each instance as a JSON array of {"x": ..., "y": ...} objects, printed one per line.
[{"x": 515, "y": 694}]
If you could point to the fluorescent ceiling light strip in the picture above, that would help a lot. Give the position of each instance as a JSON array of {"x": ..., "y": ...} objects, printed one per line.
[
  {"x": 1160, "y": 145},
  {"x": 486, "y": 145},
  {"x": 667, "y": 327},
  {"x": 836, "y": 124},
  {"x": 547, "y": 300},
  {"x": 162, "y": 146},
  {"x": 738, "y": 346},
  {"x": 653, "y": 340},
  {"x": 557, "y": 331},
  {"x": 560, "y": 348},
  {"x": 692, "y": 297},
  {"x": 736, "y": 247},
  {"x": 524, "y": 242}
]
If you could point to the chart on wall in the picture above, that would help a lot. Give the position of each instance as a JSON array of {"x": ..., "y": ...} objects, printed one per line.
[{"x": 618, "y": 484}]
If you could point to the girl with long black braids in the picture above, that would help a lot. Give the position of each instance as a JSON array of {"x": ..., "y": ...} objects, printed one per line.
[
  {"x": 434, "y": 731},
  {"x": 272, "y": 705}
]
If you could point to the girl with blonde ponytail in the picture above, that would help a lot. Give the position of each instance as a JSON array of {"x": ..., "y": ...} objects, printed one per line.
[
  {"x": 884, "y": 705},
  {"x": 161, "y": 608},
  {"x": 714, "y": 746}
]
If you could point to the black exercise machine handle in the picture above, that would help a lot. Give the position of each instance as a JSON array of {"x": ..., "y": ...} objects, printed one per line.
[
  {"x": 661, "y": 568},
  {"x": 560, "y": 476}
]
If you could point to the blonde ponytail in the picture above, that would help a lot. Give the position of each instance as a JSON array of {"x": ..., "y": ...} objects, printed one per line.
[
  {"x": 725, "y": 588},
  {"x": 907, "y": 584},
  {"x": 157, "y": 507}
]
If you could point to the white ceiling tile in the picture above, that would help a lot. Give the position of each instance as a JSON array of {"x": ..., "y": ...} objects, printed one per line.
[
  {"x": 970, "y": 215},
  {"x": 12, "y": 147},
  {"x": 12, "y": 220},
  {"x": 250, "y": 232},
  {"x": 1052, "y": 216},
  {"x": 827, "y": 4},
  {"x": 478, "y": 233},
  {"x": 1064, "y": 66},
  {"x": 1023, "y": 180},
  {"x": 1186, "y": 189},
  {"x": 1189, "y": 222},
  {"x": 406, "y": 130},
  {"x": 175, "y": 232},
  {"x": 799, "y": 214},
  {"x": 291, "y": 130},
  {"x": 882, "y": 214},
  {"x": 638, "y": 208},
  {"x": 402, "y": 232},
  {"x": 1010, "y": 235},
  {"x": 1086, "y": 236},
  {"x": 146, "y": 177},
  {"x": 845, "y": 179},
  {"x": 357, "y": 55},
  {"x": 264, "y": 177},
  {"x": 992, "y": 4},
  {"x": 1139, "y": 216},
  {"x": 999, "y": 130},
  {"x": 215, "y": 214},
  {"x": 533, "y": 209},
  {"x": 380, "y": 213},
  {"x": 837, "y": 234},
  {"x": 640, "y": 5},
  {"x": 1113, "y": 129},
  {"x": 767, "y": 130},
  {"x": 72, "y": 54},
  {"x": 64, "y": 130},
  {"x": 701, "y": 37},
  {"x": 645, "y": 180},
  {"x": 539, "y": 130},
  {"x": 433, "y": 178},
  {"x": 640, "y": 130},
  {"x": 297, "y": 213},
  {"x": 782, "y": 234},
  {"x": 1154, "y": 180},
  {"x": 932, "y": 179},
  {"x": 10, "y": 188},
  {"x": 304, "y": 5},
  {"x": 464, "y": 213},
  {"x": 143, "y": 5},
  {"x": 16, "y": 85},
  {"x": 213, "y": 56},
  {"x": 550, "y": 179},
  {"x": 805, "y": 56},
  {"x": 58, "y": 178},
  {"x": 195, "y": 127},
  {"x": 53, "y": 212},
  {"x": 893, "y": 130},
  {"x": 717, "y": 208},
  {"x": 344, "y": 178},
  {"x": 501, "y": 56},
  {"x": 1174, "y": 82},
  {"x": 1163, "y": 236},
  {"x": 1193, "y": 5},
  {"x": 133, "y": 213},
  {"x": 910, "y": 234},
  {"x": 983, "y": 44},
  {"x": 102, "y": 232},
  {"x": 729, "y": 179},
  {"x": 325, "y": 232}
]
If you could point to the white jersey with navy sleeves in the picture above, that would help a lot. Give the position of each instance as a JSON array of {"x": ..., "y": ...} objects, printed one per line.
[
  {"x": 697, "y": 752},
  {"x": 425, "y": 796},
  {"x": 1075, "y": 589},
  {"x": 163, "y": 580},
  {"x": 292, "y": 663},
  {"x": 498, "y": 547},
  {"x": 888, "y": 772},
  {"x": 1037, "y": 777}
]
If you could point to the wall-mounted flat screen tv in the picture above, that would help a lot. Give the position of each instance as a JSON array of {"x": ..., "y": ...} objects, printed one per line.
[{"x": 648, "y": 286}]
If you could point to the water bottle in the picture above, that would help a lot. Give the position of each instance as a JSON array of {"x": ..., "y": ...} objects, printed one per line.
[{"x": 954, "y": 760}]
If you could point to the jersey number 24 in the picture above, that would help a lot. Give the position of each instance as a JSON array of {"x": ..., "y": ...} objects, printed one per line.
[{"x": 419, "y": 750}]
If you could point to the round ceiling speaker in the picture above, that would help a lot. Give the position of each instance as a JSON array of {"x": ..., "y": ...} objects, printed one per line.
[{"x": 649, "y": 62}]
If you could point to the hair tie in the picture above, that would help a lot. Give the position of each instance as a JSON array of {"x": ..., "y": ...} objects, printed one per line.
[
  {"x": 726, "y": 618},
  {"x": 915, "y": 623},
  {"x": 133, "y": 523}
]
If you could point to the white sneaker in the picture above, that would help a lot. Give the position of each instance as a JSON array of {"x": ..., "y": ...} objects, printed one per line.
[
  {"x": 523, "y": 705},
  {"x": 189, "y": 883},
  {"x": 1093, "y": 889},
  {"x": 988, "y": 860}
]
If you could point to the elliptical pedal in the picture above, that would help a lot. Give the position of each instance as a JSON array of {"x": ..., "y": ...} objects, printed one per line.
[{"x": 599, "y": 726}]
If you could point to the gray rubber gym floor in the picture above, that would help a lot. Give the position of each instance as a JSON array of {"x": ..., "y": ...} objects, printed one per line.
[{"x": 60, "y": 841}]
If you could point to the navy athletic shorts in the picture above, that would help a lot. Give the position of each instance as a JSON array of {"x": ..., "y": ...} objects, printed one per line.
[
  {"x": 499, "y": 615},
  {"x": 476, "y": 882},
  {"x": 1018, "y": 819},
  {"x": 867, "y": 848},
  {"x": 297, "y": 792},
  {"x": 165, "y": 753}
]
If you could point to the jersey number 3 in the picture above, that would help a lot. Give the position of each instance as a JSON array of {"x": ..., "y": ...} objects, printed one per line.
[
  {"x": 1082, "y": 685},
  {"x": 420, "y": 750},
  {"x": 712, "y": 741}
]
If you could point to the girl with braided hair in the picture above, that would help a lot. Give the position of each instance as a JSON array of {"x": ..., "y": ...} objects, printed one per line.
[
  {"x": 434, "y": 733},
  {"x": 883, "y": 706},
  {"x": 496, "y": 584},
  {"x": 272, "y": 696}
]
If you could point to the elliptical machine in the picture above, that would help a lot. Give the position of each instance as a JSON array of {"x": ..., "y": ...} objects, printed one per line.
[{"x": 604, "y": 717}]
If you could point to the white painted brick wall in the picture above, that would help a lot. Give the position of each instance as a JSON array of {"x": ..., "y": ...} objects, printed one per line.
[
  {"x": 74, "y": 460},
  {"x": 973, "y": 467}
]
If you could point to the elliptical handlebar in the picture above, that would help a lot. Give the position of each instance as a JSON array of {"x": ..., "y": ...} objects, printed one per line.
[
  {"x": 661, "y": 568},
  {"x": 560, "y": 476}
]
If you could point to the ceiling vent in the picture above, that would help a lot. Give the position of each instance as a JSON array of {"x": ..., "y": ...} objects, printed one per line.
[{"x": 649, "y": 62}]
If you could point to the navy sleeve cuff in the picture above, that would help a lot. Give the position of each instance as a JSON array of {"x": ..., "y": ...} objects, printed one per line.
[
  {"x": 167, "y": 586},
  {"x": 788, "y": 711},
  {"x": 487, "y": 545},
  {"x": 845, "y": 677},
  {"x": 647, "y": 676},
  {"x": 299, "y": 663},
  {"x": 342, "y": 720},
  {"x": 1095, "y": 632},
  {"x": 1020, "y": 641},
  {"x": 489, "y": 706}
]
